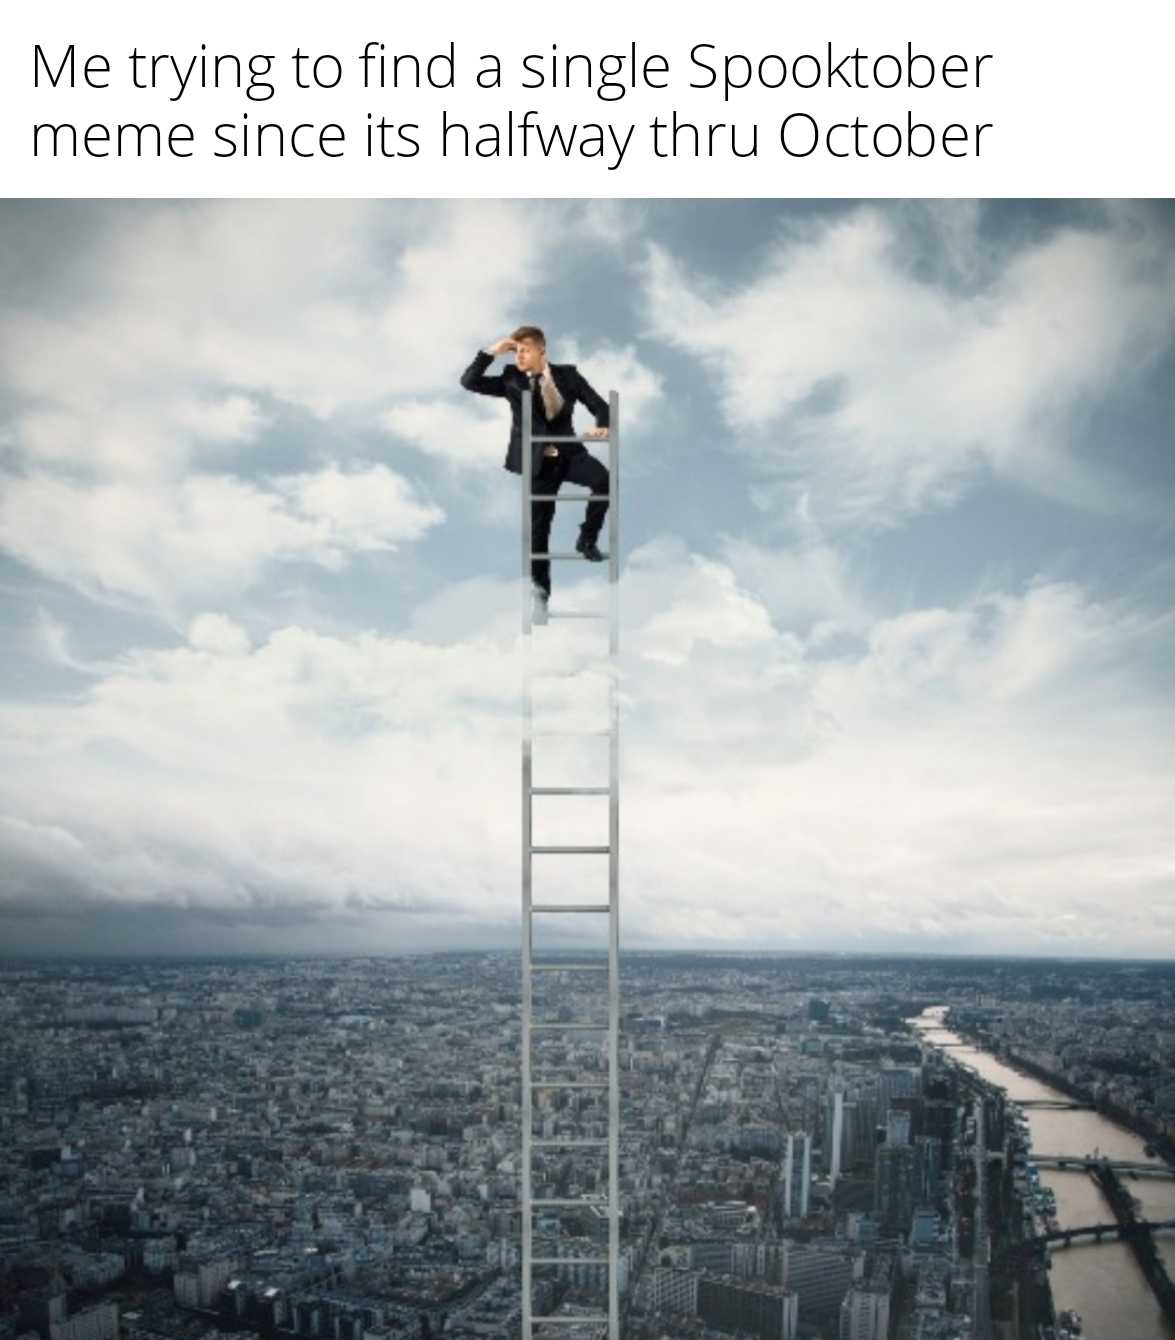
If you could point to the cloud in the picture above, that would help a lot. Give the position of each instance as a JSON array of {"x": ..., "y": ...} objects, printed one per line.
[
  {"x": 170, "y": 542},
  {"x": 809, "y": 586},
  {"x": 880, "y": 391},
  {"x": 903, "y": 791},
  {"x": 189, "y": 340},
  {"x": 229, "y": 432},
  {"x": 459, "y": 434},
  {"x": 610, "y": 367}
]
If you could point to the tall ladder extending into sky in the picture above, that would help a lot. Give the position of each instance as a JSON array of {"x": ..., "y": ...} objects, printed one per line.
[{"x": 594, "y": 1323}]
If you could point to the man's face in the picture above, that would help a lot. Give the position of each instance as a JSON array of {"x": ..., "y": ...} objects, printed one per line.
[{"x": 529, "y": 355}]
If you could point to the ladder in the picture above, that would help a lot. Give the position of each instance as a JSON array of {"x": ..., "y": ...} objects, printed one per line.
[{"x": 594, "y": 1323}]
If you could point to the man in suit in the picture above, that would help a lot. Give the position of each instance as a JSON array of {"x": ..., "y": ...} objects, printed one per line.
[{"x": 554, "y": 388}]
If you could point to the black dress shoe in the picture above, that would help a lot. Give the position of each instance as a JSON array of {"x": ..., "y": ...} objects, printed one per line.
[{"x": 589, "y": 549}]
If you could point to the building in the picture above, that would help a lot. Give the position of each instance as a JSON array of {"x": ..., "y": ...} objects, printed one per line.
[
  {"x": 820, "y": 1273},
  {"x": 897, "y": 1127},
  {"x": 837, "y": 1136},
  {"x": 671, "y": 1289},
  {"x": 864, "y": 1314},
  {"x": 762, "y": 1310},
  {"x": 927, "y": 1169},
  {"x": 893, "y": 1187},
  {"x": 93, "y": 1323},
  {"x": 797, "y": 1175},
  {"x": 713, "y": 1254},
  {"x": 197, "y": 1283}
]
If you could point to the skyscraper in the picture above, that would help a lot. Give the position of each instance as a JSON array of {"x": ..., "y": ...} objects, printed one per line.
[
  {"x": 837, "y": 1138},
  {"x": 927, "y": 1169},
  {"x": 893, "y": 1186},
  {"x": 797, "y": 1174}
]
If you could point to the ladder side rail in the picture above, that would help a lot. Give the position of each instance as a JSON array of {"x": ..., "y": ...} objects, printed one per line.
[
  {"x": 527, "y": 919},
  {"x": 613, "y": 871},
  {"x": 612, "y": 1143}
]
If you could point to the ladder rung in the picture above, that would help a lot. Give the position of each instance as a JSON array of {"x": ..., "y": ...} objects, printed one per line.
[
  {"x": 569, "y": 967},
  {"x": 570, "y": 907},
  {"x": 570, "y": 851},
  {"x": 571, "y": 1023},
  {"x": 603, "y": 671},
  {"x": 570, "y": 790},
  {"x": 568, "y": 438},
  {"x": 570, "y": 733},
  {"x": 561, "y": 556},
  {"x": 579, "y": 1204},
  {"x": 569, "y": 1260},
  {"x": 599, "y": 1320},
  {"x": 569, "y": 497},
  {"x": 557, "y": 1143},
  {"x": 569, "y": 1084}
]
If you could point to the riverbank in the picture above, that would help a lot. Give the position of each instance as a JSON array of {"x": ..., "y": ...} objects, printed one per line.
[
  {"x": 1029, "y": 1299},
  {"x": 1163, "y": 1146}
]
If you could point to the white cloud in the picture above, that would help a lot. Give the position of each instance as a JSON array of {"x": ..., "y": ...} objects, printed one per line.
[
  {"x": 808, "y": 587},
  {"x": 189, "y": 430},
  {"x": 189, "y": 331},
  {"x": 881, "y": 392},
  {"x": 218, "y": 634},
  {"x": 171, "y": 542},
  {"x": 461, "y": 434},
  {"x": 988, "y": 776},
  {"x": 609, "y": 367},
  {"x": 361, "y": 509}
]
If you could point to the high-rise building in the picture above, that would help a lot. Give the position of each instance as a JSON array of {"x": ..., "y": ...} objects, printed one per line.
[
  {"x": 864, "y": 1315},
  {"x": 893, "y": 1187},
  {"x": 927, "y": 1169},
  {"x": 837, "y": 1136},
  {"x": 797, "y": 1174}
]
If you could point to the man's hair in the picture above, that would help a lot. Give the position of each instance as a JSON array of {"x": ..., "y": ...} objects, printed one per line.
[{"x": 529, "y": 333}]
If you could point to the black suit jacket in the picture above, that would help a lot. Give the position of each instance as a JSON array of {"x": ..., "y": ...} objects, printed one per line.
[{"x": 512, "y": 384}]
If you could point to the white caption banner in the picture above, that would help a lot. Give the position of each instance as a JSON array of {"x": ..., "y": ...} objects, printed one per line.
[{"x": 626, "y": 100}]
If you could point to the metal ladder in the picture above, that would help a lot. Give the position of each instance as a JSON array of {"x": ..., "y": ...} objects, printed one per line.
[{"x": 531, "y": 1026}]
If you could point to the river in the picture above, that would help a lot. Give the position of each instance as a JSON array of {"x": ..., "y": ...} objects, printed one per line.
[{"x": 1101, "y": 1280}]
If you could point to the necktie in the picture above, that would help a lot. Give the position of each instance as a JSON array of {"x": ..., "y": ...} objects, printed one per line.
[{"x": 552, "y": 400}]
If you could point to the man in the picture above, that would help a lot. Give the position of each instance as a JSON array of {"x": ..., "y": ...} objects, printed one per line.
[{"x": 554, "y": 389}]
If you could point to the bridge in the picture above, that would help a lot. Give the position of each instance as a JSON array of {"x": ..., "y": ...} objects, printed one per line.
[
  {"x": 1088, "y": 1162},
  {"x": 1099, "y": 1231},
  {"x": 1053, "y": 1105},
  {"x": 1065, "y": 1237},
  {"x": 1137, "y": 1232}
]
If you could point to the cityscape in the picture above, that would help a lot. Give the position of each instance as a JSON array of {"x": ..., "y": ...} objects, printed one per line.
[{"x": 823, "y": 1147}]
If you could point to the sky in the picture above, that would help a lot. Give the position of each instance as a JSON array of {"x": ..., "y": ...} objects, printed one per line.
[{"x": 897, "y": 555}]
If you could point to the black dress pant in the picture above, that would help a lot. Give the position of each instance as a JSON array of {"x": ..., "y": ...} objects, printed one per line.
[{"x": 578, "y": 466}]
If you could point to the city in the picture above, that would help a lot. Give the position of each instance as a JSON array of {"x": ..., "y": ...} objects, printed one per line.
[{"x": 812, "y": 1148}]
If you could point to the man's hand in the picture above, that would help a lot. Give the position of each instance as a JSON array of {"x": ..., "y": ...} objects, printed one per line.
[
  {"x": 504, "y": 346},
  {"x": 596, "y": 432}
]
